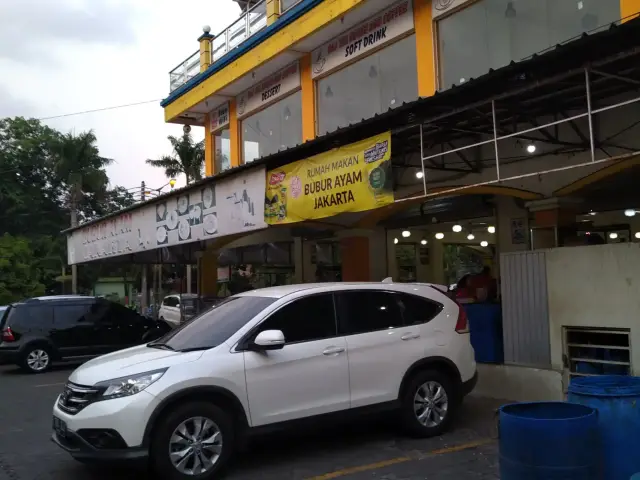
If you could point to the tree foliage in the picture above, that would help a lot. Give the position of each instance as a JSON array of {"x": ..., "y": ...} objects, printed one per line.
[
  {"x": 44, "y": 172},
  {"x": 187, "y": 158}
]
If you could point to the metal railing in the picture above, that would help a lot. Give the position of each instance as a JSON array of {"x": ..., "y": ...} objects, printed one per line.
[
  {"x": 252, "y": 21},
  {"x": 185, "y": 71}
]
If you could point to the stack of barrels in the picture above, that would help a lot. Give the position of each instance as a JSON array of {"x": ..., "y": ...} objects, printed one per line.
[{"x": 595, "y": 435}]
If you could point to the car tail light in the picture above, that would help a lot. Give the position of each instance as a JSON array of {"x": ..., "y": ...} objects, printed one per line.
[
  {"x": 7, "y": 335},
  {"x": 462, "y": 325}
]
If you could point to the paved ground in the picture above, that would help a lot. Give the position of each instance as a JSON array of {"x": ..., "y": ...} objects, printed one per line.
[{"x": 368, "y": 449}]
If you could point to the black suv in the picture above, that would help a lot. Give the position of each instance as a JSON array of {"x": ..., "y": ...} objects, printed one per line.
[{"x": 36, "y": 332}]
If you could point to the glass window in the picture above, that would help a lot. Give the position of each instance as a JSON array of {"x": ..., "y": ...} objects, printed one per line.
[
  {"x": 222, "y": 147},
  {"x": 492, "y": 33},
  {"x": 372, "y": 85},
  {"x": 304, "y": 320},
  {"x": 367, "y": 311},
  {"x": 69, "y": 315},
  {"x": 29, "y": 316},
  {"x": 277, "y": 127},
  {"x": 417, "y": 310},
  {"x": 216, "y": 325}
]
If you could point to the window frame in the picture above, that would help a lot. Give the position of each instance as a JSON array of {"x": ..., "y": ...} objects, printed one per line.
[
  {"x": 244, "y": 345},
  {"x": 241, "y": 119},
  {"x": 439, "y": 307},
  {"x": 316, "y": 90},
  {"x": 367, "y": 290},
  {"x": 214, "y": 134}
]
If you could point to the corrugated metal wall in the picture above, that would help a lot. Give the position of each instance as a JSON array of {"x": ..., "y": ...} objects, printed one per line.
[{"x": 525, "y": 308}]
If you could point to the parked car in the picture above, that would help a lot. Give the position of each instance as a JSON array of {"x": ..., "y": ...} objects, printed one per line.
[
  {"x": 262, "y": 359},
  {"x": 177, "y": 308},
  {"x": 37, "y": 332}
]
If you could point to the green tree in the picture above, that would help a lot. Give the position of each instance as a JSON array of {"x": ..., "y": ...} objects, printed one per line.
[
  {"x": 187, "y": 158},
  {"x": 19, "y": 275},
  {"x": 41, "y": 171}
]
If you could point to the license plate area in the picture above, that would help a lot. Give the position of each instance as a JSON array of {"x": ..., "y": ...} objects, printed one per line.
[{"x": 60, "y": 427}]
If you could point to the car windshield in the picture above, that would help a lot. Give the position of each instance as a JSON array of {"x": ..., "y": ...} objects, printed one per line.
[{"x": 216, "y": 325}]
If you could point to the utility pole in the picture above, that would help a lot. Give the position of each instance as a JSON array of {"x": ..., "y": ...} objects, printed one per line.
[{"x": 76, "y": 188}]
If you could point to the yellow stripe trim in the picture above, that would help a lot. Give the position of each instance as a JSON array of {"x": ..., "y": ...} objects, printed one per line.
[
  {"x": 312, "y": 21},
  {"x": 422, "y": 16},
  {"x": 629, "y": 9},
  {"x": 308, "y": 100}
]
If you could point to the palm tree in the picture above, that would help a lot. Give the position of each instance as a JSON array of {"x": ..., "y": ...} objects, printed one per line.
[{"x": 187, "y": 157}]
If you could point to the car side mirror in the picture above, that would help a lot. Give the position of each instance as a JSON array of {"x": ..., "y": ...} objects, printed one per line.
[{"x": 269, "y": 340}]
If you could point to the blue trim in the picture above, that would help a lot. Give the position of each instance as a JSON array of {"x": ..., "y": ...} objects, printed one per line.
[{"x": 287, "y": 18}]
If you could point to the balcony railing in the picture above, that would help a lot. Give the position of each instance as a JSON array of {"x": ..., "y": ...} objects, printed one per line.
[
  {"x": 252, "y": 21},
  {"x": 185, "y": 71}
]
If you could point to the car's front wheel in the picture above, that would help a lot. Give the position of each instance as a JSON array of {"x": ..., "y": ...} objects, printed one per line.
[
  {"x": 36, "y": 359},
  {"x": 194, "y": 441},
  {"x": 428, "y": 404}
]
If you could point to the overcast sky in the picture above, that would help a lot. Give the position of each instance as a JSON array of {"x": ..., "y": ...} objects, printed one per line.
[{"x": 65, "y": 56}]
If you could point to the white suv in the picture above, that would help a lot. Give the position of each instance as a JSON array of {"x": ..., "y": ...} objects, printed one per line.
[{"x": 262, "y": 359}]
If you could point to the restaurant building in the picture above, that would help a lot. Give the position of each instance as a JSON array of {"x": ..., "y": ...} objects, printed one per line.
[{"x": 422, "y": 140}]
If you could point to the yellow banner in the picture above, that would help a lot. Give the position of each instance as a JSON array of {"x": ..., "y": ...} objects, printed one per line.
[{"x": 352, "y": 178}]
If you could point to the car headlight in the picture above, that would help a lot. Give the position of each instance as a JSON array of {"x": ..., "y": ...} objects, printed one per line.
[{"x": 129, "y": 385}]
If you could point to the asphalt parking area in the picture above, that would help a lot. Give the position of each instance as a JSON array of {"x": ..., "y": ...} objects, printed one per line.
[{"x": 370, "y": 448}]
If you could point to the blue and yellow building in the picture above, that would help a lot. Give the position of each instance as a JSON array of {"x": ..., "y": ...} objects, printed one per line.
[{"x": 419, "y": 140}]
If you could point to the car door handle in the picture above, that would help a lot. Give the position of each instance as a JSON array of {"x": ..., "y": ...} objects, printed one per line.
[
  {"x": 332, "y": 351},
  {"x": 410, "y": 336}
]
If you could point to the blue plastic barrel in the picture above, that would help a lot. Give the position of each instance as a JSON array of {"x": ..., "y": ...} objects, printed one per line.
[
  {"x": 617, "y": 399},
  {"x": 549, "y": 440}
]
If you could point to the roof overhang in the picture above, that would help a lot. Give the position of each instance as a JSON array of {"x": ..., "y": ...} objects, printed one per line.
[{"x": 307, "y": 26}]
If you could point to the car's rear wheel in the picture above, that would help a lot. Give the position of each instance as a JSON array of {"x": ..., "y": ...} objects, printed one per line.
[
  {"x": 428, "y": 404},
  {"x": 36, "y": 359},
  {"x": 194, "y": 441}
]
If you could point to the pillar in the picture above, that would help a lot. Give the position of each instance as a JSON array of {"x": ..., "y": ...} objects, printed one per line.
[
  {"x": 205, "y": 48},
  {"x": 273, "y": 11},
  {"x": 422, "y": 16},
  {"x": 379, "y": 268},
  {"x": 189, "y": 281},
  {"x": 144, "y": 297},
  {"x": 209, "y": 148},
  {"x": 355, "y": 259},
  {"x": 629, "y": 9},
  {"x": 234, "y": 136},
  {"x": 436, "y": 261},
  {"x": 509, "y": 217},
  {"x": 208, "y": 273},
  {"x": 548, "y": 215},
  {"x": 298, "y": 260},
  {"x": 308, "y": 99}
]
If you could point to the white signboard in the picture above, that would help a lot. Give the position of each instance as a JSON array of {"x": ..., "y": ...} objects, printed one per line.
[
  {"x": 269, "y": 90},
  {"x": 442, "y": 7},
  {"x": 219, "y": 117},
  {"x": 232, "y": 205},
  {"x": 373, "y": 33}
]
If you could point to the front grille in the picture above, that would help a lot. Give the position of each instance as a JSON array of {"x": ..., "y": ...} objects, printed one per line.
[{"x": 75, "y": 397}]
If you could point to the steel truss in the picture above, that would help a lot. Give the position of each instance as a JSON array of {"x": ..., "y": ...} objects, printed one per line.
[{"x": 490, "y": 118}]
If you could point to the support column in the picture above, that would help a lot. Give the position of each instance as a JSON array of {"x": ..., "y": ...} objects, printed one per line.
[
  {"x": 234, "y": 135},
  {"x": 423, "y": 19},
  {"x": 548, "y": 216},
  {"x": 355, "y": 259},
  {"x": 188, "y": 268},
  {"x": 209, "y": 158},
  {"x": 208, "y": 273},
  {"x": 273, "y": 11},
  {"x": 298, "y": 260},
  {"x": 308, "y": 99},
  {"x": 205, "y": 48},
  {"x": 629, "y": 9},
  {"x": 144, "y": 298}
]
